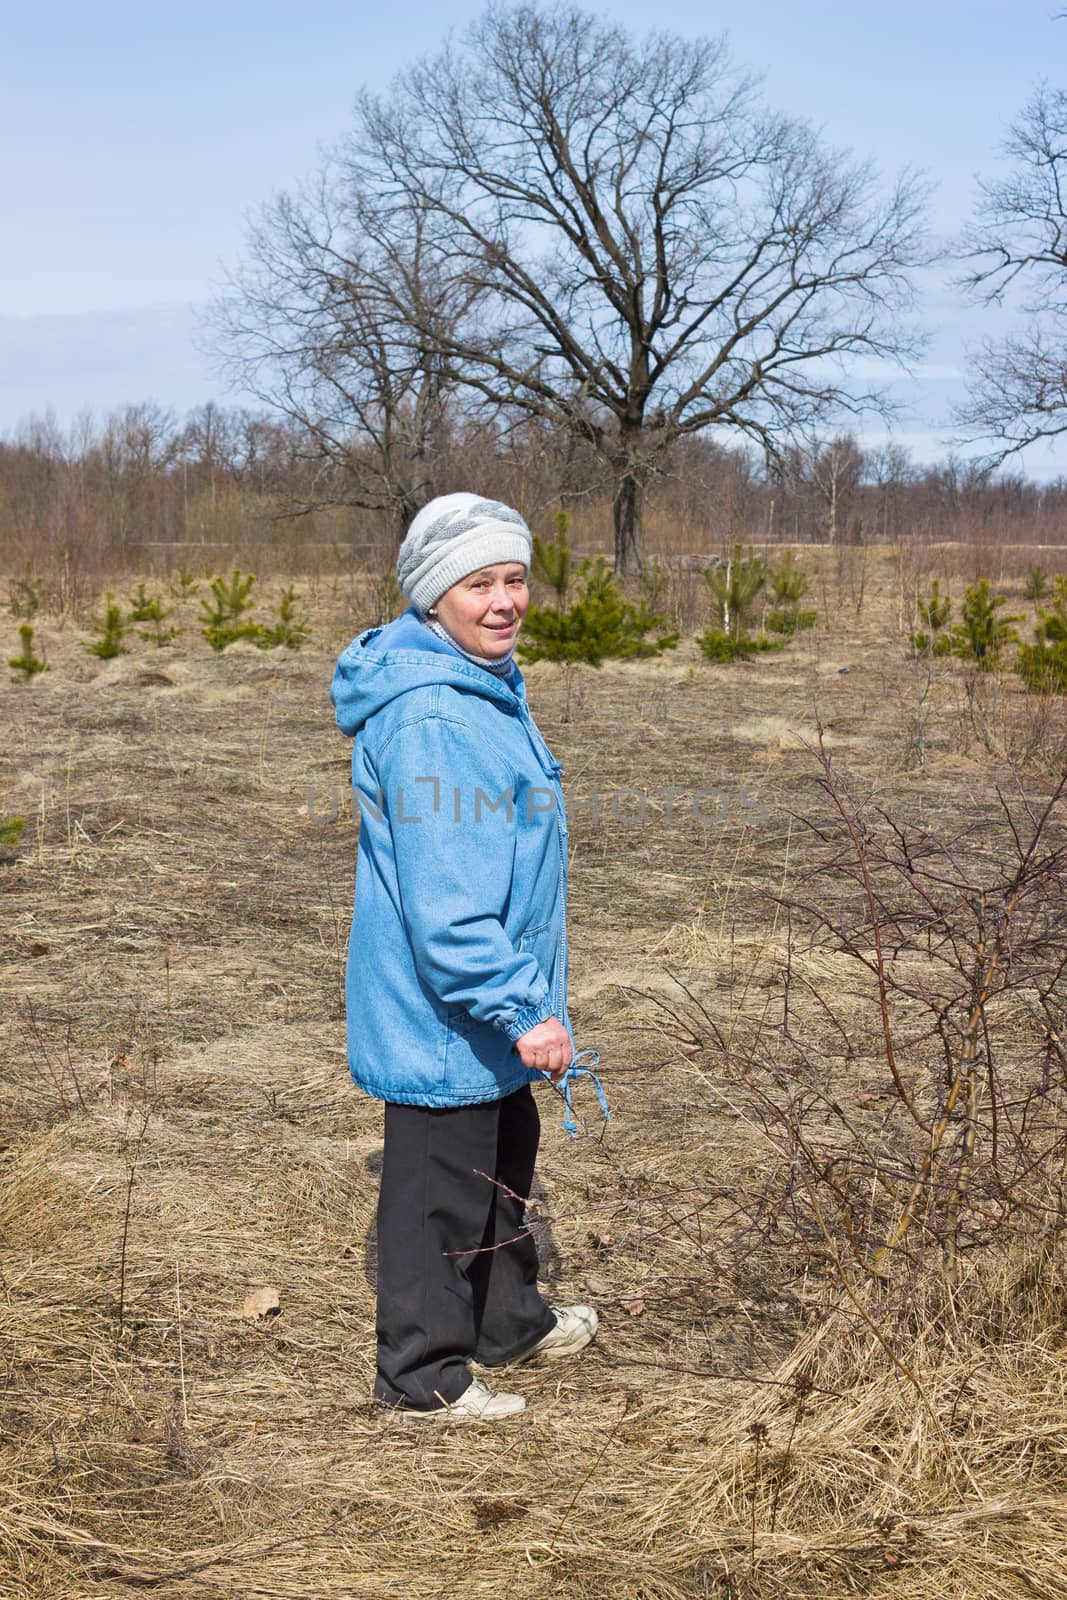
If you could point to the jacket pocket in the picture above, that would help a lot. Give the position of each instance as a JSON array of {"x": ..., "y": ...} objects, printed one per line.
[
  {"x": 459, "y": 1021},
  {"x": 543, "y": 942}
]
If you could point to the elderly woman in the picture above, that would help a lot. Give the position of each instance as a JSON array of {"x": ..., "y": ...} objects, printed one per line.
[{"x": 457, "y": 965}]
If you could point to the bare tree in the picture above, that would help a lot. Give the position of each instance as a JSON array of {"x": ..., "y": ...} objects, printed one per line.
[
  {"x": 1019, "y": 239},
  {"x": 835, "y": 471},
  {"x": 136, "y": 447},
  {"x": 337, "y": 320},
  {"x": 821, "y": 479},
  {"x": 656, "y": 253},
  {"x": 889, "y": 471}
]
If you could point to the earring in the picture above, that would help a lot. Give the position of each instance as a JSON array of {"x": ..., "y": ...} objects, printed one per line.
[{"x": 432, "y": 611}]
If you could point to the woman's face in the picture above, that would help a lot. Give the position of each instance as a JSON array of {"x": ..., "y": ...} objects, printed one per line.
[{"x": 483, "y": 611}]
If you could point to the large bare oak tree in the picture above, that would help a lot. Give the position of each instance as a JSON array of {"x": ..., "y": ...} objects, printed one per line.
[
  {"x": 610, "y": 238},
  {"x": 654, "y": 252}
]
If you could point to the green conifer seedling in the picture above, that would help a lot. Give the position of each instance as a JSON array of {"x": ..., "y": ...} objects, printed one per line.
[
  {"x": 551, "y": 560},
  {"x": 290, "y": 631},
  {"x": 791, "y": 619},
  {"x": 934, "y": 613},
  {"x": 983, "y": 636},
  {"x": 720, "y": 647},
  {"x": 156, "y": 613},
  {"x": 141, "y": 605},
  {"x": 27, "y": 664},
  {"x": 1036, "y": 584},
  {"x": 222, "y": 618},
  {"x": 112, "y": 629},
  {"x": 25, "y": 594},
  {"x": 183, "y": 585},
  {"x": 1043, "y": 664},
  {"x": 600, "y": 624},
  {"x": 735, "y": 588},
  {"x": 11, "y": 831},
  {"x": 936, "y": 610},
  {"x": 788, "y": 586}
]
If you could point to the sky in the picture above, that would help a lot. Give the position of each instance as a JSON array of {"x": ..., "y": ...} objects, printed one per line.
[{"x": 138, "y": 141}]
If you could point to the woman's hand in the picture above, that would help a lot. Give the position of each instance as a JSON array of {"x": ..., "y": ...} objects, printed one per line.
[{"x": 546, "y": 1048}]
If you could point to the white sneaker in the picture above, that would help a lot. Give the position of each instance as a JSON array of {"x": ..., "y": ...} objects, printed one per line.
[
  {"x": 575, "y": 1328},
  {"x": 478, "y": 1403}
]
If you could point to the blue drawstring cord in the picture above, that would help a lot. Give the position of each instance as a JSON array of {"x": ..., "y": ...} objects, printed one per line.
[{"x": 565, "y": 1085}]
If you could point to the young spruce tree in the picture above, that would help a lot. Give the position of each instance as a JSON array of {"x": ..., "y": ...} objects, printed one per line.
[
  {"x": 1043, "y": 664},
  {"x": 600, "y": 623},
  {"x": 735, "y": 588},
  {"x": 27, "y": 664}
]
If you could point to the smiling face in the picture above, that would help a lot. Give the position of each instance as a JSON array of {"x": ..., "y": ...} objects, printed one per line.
[{"x": 483, "y": 611}]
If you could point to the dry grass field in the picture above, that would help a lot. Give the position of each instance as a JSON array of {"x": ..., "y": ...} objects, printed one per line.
[{"x": 756, "y": 1420}]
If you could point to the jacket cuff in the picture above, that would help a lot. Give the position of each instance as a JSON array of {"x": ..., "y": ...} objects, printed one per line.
[{"x": 520, "y": 1022}]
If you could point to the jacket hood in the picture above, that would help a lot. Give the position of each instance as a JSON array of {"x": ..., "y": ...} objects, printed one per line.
[{"x": 383, "y": 663}]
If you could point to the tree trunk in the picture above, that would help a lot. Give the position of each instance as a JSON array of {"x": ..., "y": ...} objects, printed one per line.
[
  {"x": 406, "y": 501},
  {"x": 628, "y": 510}
]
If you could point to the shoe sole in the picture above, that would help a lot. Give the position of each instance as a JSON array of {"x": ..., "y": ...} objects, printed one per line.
[
  {"x": 577, "y": 1342},
  {"x": 452, "y": 1415},
  {"x": 561, "y": 1350},
  {"x": 558, "y": 1352}
]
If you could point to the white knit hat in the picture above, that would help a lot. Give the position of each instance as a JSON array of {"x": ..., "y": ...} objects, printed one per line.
[{"x": 452, "y": 536}]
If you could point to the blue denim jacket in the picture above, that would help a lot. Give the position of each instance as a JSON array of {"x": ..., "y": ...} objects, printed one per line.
[{"x": 459, "y": 941}]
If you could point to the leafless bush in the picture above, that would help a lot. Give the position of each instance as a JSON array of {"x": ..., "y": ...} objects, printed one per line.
[
  {"x": 923, "y": 1121},
  {"x": 851, "y": 570}
]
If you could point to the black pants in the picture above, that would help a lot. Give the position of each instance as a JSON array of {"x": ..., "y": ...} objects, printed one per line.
[{"x": 437, "y": 1309}]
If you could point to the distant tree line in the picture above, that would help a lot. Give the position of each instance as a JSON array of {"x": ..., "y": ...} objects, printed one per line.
[{"x": 141, "y": 476}]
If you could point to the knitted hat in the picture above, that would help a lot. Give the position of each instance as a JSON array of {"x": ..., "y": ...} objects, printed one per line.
[{"x": 452, "y": 536}]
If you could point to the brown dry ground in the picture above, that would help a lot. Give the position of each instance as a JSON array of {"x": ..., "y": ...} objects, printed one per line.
[{"x": 179, "y": 1129}]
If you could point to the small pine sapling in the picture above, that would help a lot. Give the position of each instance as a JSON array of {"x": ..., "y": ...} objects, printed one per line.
[
  {"x": 140, "y": 605},
  {"x": 10, "y": 833},
  {"x": 183, "y": 585},
  {"x": 26, "y": 664},
  {"x": 788, "y": 587},
  {"x": 156, "y": 613},
  {"x": 25, "y": 594},
  {"x": 620, "y": 625},
  {"x": 735, "y": 588},
  {"x": 601, "y": 623},
  {"x": 1036, "y": 584},
  {"x": 290, "y": 631},
  {"x": 112, "y": 628},
  {"x": 222, "y": 618},
  {"x": 719, "y": 646},
  {"x": 791, "y": 619},
  {"x": 551, "y": 560},
  {"x": 983, "y": 636},
  {"x": 934, "y": 613},
  {"x": 1043, "y": 664}
]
